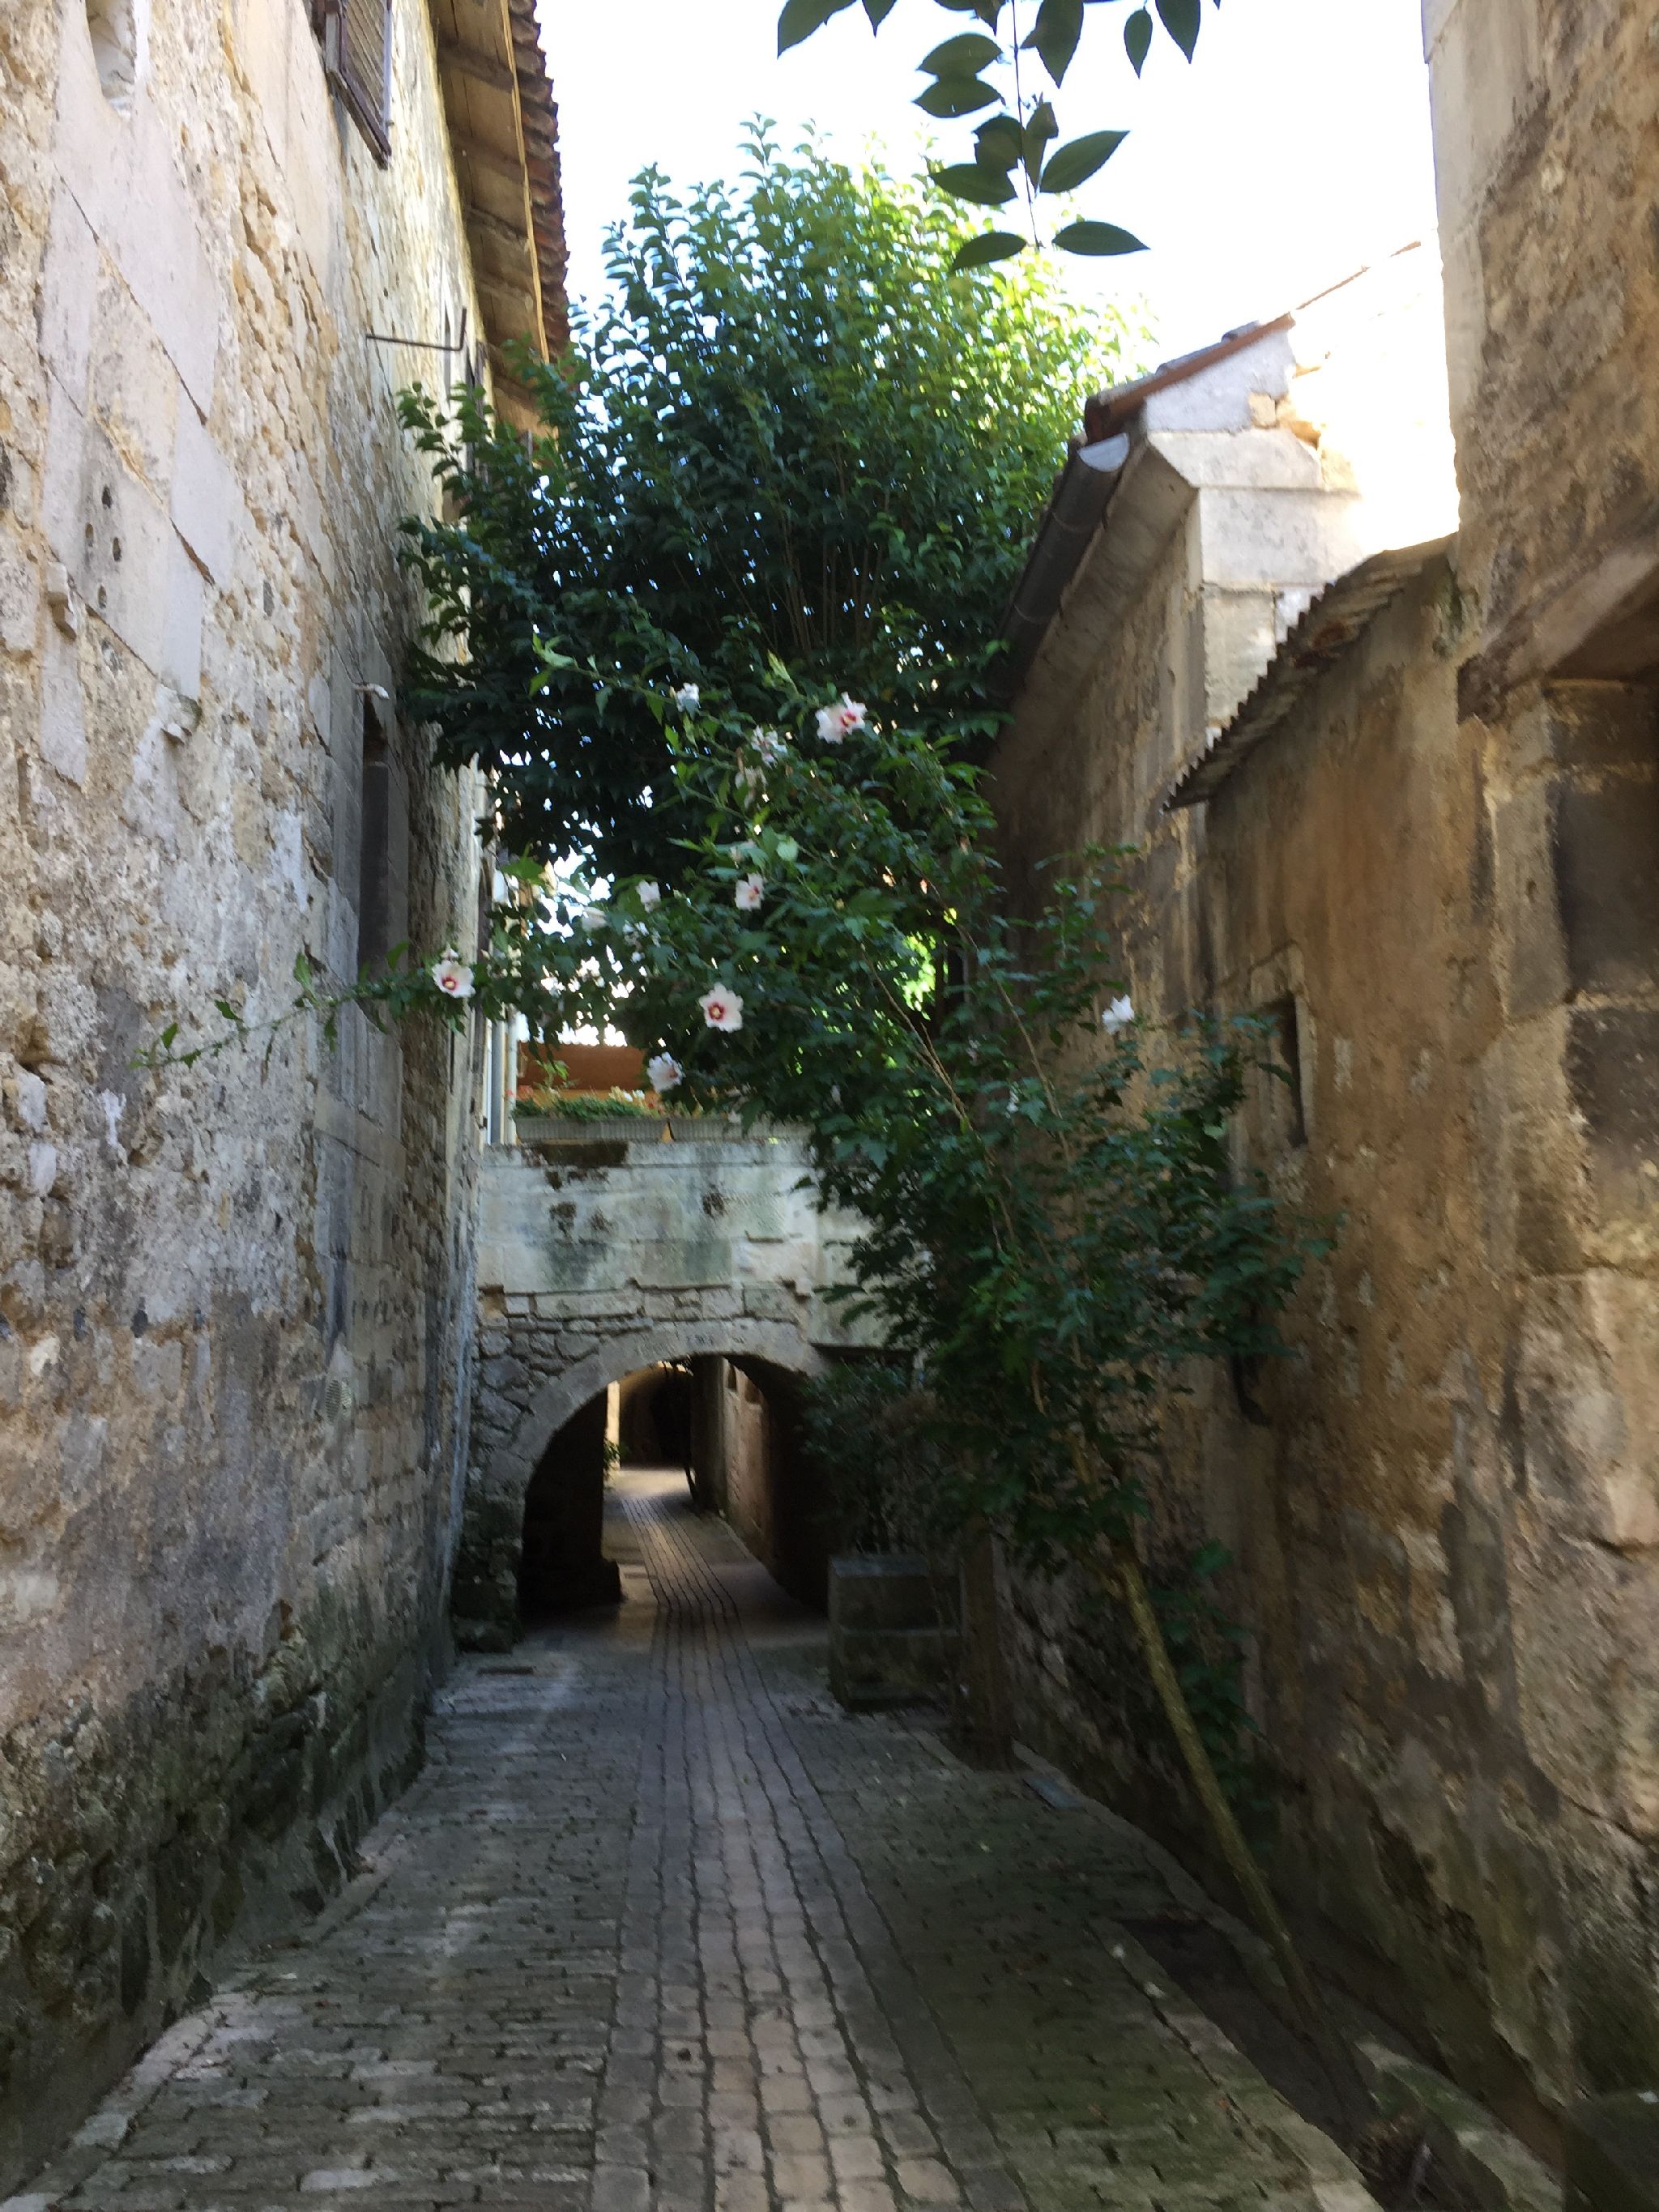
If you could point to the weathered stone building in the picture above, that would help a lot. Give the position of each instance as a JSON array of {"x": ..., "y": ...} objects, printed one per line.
[
  {"x": 235, "y": 1299},
  {"x": 1423, "y": 843}
]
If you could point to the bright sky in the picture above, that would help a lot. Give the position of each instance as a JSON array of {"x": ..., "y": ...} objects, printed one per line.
[{"x": 1293, "y": 151}]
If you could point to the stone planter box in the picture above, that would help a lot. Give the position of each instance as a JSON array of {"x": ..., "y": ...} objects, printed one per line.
[{"x": 887, "y": 1646}]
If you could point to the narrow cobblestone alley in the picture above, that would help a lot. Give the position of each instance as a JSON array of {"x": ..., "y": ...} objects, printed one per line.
[{"x": 662, "y": 1929}]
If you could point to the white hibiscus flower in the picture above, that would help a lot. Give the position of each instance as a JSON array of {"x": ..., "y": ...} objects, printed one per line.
[
  {"x": 840, "y": 721},
  {"x": 688, "y": 698},
  {"x": 1118, "y": 1016},
  {"x": 722, "y": 1009},
  {"x": 749, "y": 893},
  {"x": 664, "y": 1071},
  {"x": 452, "y": 974}
]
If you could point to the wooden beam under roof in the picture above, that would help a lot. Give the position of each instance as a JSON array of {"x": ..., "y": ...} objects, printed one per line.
[
  {"x": 514, "y": 304},
  {"x": 489, "y": 160},
  {"x": 503, "y": 140},
  {"x": 483, "y": 68},
  {"x": 497, "y": 230}
]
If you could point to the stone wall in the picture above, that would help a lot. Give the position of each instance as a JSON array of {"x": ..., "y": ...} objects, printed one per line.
[
  {"x": 601, "y": 1254},
  {"x": 1547, "y": 168},
  {"x": 235, "y": 1300},
  {"x": 1436, "y": 875},
  {"x": 1548, "y": 173}
]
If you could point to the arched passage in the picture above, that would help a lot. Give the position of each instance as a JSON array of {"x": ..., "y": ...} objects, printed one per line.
[{"x": 775, "y": 1354}]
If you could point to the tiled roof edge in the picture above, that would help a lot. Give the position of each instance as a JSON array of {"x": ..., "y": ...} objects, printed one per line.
[{"x": 1336, "y": 619}]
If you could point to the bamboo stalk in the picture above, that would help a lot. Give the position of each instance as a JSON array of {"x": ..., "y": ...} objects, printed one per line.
[{"x": 1334, "y": 2051}]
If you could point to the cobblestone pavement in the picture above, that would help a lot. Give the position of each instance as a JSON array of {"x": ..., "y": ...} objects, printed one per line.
[{"x": 662, "y": 1929}]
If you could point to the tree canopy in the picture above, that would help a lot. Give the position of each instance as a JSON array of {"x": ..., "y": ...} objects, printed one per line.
[{"x": 787, "y": 432}]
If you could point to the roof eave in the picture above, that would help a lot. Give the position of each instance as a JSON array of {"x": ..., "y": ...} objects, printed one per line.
[{"x": 1335, "y": 622}]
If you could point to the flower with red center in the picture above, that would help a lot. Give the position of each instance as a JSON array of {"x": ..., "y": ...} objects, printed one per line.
[
  {"x": 840, "y": 721},
  {"x": 452, "y": 974},
  {"x": 722, "y": 1009}
]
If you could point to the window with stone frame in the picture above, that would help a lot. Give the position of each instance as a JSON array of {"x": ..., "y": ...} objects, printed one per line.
[
  {"x": 356, "y": 43},
  {"x": 383, "y": 847},
  {"x": 1289, "y": 1106}
]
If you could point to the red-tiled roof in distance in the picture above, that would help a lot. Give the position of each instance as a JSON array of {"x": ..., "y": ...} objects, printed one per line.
[
  {"x": 1109, "y": 410},
  {"x": 539, "y": 117}
]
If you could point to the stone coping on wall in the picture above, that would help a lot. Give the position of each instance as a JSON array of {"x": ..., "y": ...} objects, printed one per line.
[{"x": 633, "y": 1128}]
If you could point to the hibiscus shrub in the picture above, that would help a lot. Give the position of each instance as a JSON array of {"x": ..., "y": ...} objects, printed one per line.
[
  {"x": 1051, "y": 1226},
  {"x": 787, "y": 431},
  {"x": 1054, "y": 1225}
]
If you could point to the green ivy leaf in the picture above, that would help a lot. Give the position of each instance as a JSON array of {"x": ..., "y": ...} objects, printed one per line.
[
  {"x": 1058, "y": 28},
  {"x": 879, "y": 11},
  {"x": 955, "y": 96},
  {"x": 1182, "y": 20},
  {"x": 1039, "y": 134},
  {"x": 966, "y": 55},
  {"x": 997, "y": 143},
  {"x": 1138, "y": 39},
  {"x": 990, "y": 246},
  {"x": 1077, "y": 160},
  {"x": 1097, "y": 238},
  {"x": 800, "y": 18},
  {"x": 967, "y": 180}
]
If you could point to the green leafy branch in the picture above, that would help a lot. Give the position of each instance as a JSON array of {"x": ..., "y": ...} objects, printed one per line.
[
  {"x": 1015, "y": 155},
  {"x": 406, "y": 987}
]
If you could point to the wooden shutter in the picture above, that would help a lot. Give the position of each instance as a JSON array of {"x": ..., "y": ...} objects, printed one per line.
[{"x": 358, "y": 36}]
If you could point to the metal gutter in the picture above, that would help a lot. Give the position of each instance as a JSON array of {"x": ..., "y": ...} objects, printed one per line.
[{"x": 1082, "y": 493}]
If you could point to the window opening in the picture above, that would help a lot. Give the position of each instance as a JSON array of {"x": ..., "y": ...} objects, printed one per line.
[
  {"x": 374, "y": 850},
  {"x": 356, "y": 41},
  {"x": 1287, "y": 1040},
  {"x": 117, "y": 38}
]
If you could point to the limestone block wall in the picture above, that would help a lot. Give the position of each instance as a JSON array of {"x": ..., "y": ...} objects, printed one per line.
[
  {"x": 599, "y": 1256},
  {"x": 1443, "y": 1506},
  {"x": 1438, "y": 876},
  {"x": 235, "y": 1300},
  {"x": 1388, "y": 1570},
  {"x": 1547, "y": 174}
]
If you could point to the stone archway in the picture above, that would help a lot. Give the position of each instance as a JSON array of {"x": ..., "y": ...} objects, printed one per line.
[
  {"x": 597, "y": 1257},
  {"x": 486, "y": 1588}
]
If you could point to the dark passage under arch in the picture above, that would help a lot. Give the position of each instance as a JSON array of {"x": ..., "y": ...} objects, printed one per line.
[{"x": 732, "y": 1424}]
